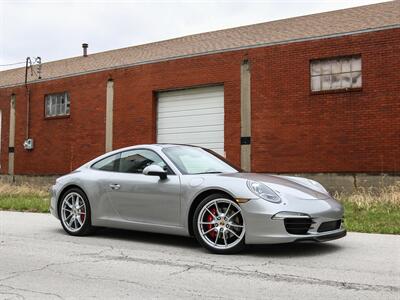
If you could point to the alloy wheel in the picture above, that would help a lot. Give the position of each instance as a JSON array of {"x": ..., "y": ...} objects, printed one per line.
[
  {"x": 73, "y": 212},
  {"x": 221, "y": 224}
]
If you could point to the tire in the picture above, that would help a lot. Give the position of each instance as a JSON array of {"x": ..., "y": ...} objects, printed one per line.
[
  {"x": 218, "y": 225},
  {"x": 75, "y": 214}
]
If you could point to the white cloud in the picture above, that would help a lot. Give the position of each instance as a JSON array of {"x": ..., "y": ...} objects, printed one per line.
[{"x": 56, "y": 29}]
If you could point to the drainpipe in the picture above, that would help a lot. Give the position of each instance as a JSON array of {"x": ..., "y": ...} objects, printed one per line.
[
  {"x": 28, "y": 109},
  {"x": 28, "y": 98}
]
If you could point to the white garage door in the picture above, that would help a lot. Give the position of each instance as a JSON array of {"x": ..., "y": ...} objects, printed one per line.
[{"x": 192, "y": 116}]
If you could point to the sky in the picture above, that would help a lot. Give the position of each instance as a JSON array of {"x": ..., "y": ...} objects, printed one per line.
[{"x": 56, "y": 29}]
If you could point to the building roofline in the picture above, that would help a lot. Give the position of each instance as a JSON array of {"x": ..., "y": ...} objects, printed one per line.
[
  {"x": 396, "y": 26},
  {"x": 317, "y": 26}
]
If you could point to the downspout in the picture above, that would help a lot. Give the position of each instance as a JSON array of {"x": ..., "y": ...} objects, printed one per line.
[
  {"x": 28, "y": 98},
  {"x": 28, "y": 109}
]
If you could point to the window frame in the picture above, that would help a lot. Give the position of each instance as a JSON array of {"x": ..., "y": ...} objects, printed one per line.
[
  {"x": 336, "y": 90},
  {"x": 170, "y": 171},
  {"x": 104, "y": 158},
  {"x": 67, "y": 101}
]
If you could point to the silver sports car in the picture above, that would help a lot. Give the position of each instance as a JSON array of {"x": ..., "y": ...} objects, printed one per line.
[{"x": 192, "y": 191}]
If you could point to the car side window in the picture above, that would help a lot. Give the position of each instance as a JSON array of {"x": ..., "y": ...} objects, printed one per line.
[
  {"x": 110, "y": 163},
  {"x": 134, "y": 161}
]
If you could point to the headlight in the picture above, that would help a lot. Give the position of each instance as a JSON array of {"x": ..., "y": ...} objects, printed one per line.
[{"x": 262, "y": 191}]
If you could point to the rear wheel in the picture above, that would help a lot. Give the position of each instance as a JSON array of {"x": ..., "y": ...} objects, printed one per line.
[
  {"x": 74, "y": 212},
  {"x": 218, "y": 224}
]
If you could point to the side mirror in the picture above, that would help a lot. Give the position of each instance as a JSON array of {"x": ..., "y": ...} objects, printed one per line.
[{"x": 155, "y": 170}]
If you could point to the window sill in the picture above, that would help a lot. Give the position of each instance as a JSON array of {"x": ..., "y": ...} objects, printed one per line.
[
  {"x": 336, "y": 91},
  {"x": 57, "y": 117}
]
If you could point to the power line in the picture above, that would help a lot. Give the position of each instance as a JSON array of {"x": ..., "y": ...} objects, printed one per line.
[{"x": 17, "y": 63}]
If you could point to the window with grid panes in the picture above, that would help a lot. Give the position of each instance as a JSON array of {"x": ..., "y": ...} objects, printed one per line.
[
  {"x": 336, "y": 73},
  {"x": 57, "y": 105}
]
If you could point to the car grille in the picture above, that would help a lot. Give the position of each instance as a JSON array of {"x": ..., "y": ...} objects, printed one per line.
[
  {"x": 328, "y": 226},
  {"x": 297, "y": 225}
]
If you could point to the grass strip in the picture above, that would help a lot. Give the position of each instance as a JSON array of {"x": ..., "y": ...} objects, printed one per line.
[{"x": 366, "y": 210}]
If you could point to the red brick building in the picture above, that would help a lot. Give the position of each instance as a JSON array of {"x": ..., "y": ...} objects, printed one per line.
[{"x": 312, "y": 94}]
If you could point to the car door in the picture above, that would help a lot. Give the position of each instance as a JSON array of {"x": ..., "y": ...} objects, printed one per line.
[{"x": 143, "y": 198}]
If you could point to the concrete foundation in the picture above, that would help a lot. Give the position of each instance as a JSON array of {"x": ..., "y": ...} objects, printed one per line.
[
  {"x": 350, "y": 182},
  {"x": 27, "y": 179}
]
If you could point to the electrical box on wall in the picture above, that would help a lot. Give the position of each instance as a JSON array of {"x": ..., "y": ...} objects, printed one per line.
[{"x": 28, "y": 144}]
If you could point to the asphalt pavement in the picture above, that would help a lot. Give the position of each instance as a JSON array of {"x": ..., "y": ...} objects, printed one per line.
[{"x": 38, "y": 260}]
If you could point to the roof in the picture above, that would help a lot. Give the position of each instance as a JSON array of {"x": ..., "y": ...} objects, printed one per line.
[{"x": 329, "y": 24}]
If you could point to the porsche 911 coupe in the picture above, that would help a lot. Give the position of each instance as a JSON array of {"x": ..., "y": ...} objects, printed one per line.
[{"x": 192, "y": 191}]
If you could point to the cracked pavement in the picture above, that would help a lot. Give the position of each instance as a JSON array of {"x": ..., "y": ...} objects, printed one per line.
[{"x": 38, "y": 260}]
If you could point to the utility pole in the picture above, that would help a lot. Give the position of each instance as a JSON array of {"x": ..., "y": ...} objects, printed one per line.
[{"x": 34, "y": 64}]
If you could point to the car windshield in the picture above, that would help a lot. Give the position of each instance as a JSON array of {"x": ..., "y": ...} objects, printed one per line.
[{"x": 194, "y": 160}]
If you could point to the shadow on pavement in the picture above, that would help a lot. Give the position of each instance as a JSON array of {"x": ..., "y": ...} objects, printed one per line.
[
  {"x": 148, "y": 237},
  {"x": 293, "y": 249},
  {"x": 300, "y": 249}
]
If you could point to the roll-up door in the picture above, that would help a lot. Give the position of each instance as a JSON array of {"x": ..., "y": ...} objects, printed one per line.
[{"x": 192, "y": 116}]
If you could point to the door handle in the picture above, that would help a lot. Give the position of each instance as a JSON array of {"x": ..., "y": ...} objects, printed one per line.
[{"x": 115, "y": 186}]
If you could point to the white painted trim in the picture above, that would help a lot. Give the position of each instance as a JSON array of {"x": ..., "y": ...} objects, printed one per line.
[
  {"x": 245, "y": 114},
  {"x": 11, "y": 141},
  {"x": 109, "y": 115}
]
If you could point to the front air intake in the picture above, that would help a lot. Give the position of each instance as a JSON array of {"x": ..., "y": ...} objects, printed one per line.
[
  {"x": 328, "y": 226},
  {"x": 297, "y": 225}
]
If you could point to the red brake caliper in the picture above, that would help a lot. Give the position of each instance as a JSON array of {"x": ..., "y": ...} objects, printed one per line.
[{"x": 210, "y": 218}]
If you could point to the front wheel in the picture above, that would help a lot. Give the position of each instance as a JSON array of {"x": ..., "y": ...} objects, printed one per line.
[
  {"x": 74, "y": 212},
  {"x": 218, "y": 225}
]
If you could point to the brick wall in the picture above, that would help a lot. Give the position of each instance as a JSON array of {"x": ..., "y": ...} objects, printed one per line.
[{"x": 293, "y": 130}]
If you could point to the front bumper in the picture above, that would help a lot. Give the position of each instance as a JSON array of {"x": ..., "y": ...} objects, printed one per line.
[
  {"x": 262, "y": 229},
  {"x": 326, "y": 237}
]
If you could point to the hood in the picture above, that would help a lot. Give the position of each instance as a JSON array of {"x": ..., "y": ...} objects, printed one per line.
[{"x": 287, "y": 186}]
